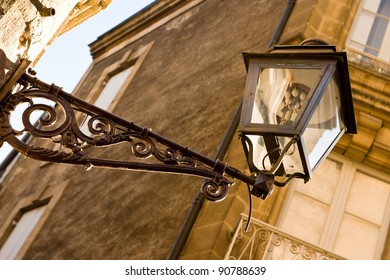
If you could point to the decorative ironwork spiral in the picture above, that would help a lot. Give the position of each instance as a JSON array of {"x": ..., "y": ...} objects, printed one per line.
[
  {"x": 143, "y": 147},
  {"x": 48, "y": 121},
  {"x": 68, "y": 131},
  {"x": 265, "y": 235},
  {"x": 278, "y": 241},
  {"x": 324, "y": 256},
  {"x": 214, "y": 191},
  {"x": 170, "y": 156},
  {"x": 295, "y": 248},
  {"x": 101, "y": 126},
  {"x": 308, "y": 254}
]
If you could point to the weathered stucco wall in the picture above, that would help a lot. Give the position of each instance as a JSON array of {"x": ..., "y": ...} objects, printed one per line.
[{"x": 187, "y": 89}]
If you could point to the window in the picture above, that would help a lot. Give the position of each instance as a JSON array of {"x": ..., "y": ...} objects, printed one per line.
[
  {"x": 21, "y": 231},
  {"x": 344, "y": 209},
  {"x": 107, "y": 96},
  {"x": 111, "y": 88},
  {"x": 114, "y": 80},
  {"x": 371, "y": 31}
]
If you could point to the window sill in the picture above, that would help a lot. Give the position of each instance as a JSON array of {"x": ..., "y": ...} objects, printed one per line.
[{"x": 369, "y": 62}]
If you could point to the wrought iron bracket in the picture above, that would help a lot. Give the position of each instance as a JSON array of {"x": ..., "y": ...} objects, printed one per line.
[{"x": 62, "y": 123}]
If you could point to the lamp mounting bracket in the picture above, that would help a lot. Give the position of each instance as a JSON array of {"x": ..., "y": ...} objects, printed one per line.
[{"x": 62, "y": 124}]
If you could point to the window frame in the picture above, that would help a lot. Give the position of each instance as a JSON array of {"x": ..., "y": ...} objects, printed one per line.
[
  {"x": 48, "y": 195},
  {"x": 383, "y": 52},
  {"x": 132, "y": 59},
  {"x": 338, "y": 203},
  {"x": 18, "y": 219}
]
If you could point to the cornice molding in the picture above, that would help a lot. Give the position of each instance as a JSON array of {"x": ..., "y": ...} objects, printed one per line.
[
  {"x": 83, "y": 11},
  {"x": 138, "y": 26}
]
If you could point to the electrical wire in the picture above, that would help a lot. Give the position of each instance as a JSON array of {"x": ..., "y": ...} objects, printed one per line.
[
  {"x": 276, "y": 165},
  {"x": 250, "y": 209}
]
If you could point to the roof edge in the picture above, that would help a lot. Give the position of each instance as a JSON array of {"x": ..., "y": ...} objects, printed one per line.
[{"x": 143, "y": 21}]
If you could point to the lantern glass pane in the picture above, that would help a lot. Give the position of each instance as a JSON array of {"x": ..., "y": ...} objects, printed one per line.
[
  {"x": 282, "y": 93},
  {"x": 325, "y": 126},
  {"x": 291, "y": 163}
]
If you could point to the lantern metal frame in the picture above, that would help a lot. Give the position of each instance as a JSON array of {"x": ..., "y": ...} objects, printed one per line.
[{"x": 333, "y": 65}]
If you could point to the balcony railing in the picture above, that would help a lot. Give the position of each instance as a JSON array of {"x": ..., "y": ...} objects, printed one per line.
[{"x": 263, "y": 241}]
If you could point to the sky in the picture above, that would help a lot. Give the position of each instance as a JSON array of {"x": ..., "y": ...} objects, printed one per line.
[{"x": 67, "y": 58}]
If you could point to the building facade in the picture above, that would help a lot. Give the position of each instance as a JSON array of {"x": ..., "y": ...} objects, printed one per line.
[{"x": 177, "y": 68}]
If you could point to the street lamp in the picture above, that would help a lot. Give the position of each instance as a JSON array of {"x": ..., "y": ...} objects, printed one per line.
[{"x": 297, "y": 104}]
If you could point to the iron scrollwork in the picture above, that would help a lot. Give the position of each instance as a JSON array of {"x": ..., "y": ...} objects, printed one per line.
[{"x": 58, "y": 123}]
